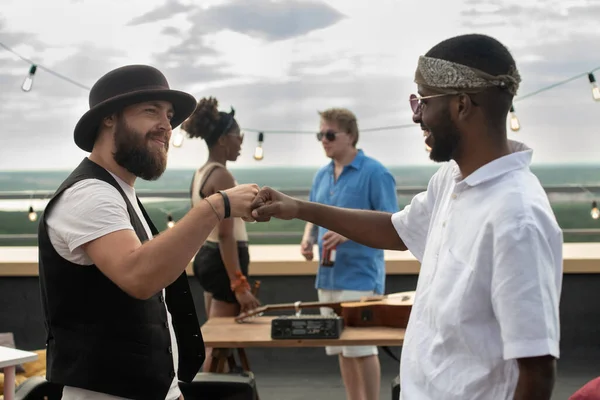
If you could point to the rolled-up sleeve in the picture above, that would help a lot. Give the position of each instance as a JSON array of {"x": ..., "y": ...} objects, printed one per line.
[
  {"x": 526, "y": 282},
  {"x": 412, "y": 224}
]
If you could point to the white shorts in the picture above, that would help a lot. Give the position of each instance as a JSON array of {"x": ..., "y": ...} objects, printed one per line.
[{"x": 345, "y": 295}]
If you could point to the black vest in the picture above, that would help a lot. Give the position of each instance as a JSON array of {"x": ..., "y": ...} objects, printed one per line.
[{"x": 98, "y": 337}]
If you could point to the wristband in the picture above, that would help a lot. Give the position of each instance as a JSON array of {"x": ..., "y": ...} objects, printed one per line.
[{"x": 226, "y": 204}]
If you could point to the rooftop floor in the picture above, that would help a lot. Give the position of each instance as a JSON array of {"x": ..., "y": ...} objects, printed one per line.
[{"x": 313, "y": 375}]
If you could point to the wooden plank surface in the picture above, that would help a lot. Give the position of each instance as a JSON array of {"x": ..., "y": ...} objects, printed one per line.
[
  {"x": 286, "y": 260},
  {"x": 224, "y": 332}
]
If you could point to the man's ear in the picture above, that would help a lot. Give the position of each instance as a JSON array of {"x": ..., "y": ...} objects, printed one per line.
[
  {"x": 464, "y": 107},
  {"x": 109, "y": 121}
]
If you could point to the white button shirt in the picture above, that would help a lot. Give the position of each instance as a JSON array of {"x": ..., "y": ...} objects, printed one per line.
[{"x": 490, "y": 280}]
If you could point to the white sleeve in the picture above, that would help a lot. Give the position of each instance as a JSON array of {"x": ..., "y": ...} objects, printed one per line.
[
  {"x": 86, "y": 211},
  {"x": 526, "y": 282},
  {"x": 412, "y": 222}
]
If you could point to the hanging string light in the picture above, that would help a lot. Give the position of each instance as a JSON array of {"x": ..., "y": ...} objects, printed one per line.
[
  {"x": 259, "y": 153},
  {"x": 28, "y": 82},
  {"x": 32, "y": 214},
  {"x": 514, "y": 121},
  {"x": 595, "y": 89},
  {"x": 178, "y": 137},
  {"x": 595, "y": 212},
  {"x": 170, "y": 222}
]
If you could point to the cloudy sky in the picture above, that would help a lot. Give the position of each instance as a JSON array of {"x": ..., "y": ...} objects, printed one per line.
[{"x": 278, "y": 62}]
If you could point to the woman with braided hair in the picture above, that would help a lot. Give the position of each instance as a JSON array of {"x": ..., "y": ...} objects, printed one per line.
[{"x": 221, "y": 264}]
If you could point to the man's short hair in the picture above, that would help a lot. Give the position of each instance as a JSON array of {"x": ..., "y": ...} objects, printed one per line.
[{"x": 344, "y": 119}]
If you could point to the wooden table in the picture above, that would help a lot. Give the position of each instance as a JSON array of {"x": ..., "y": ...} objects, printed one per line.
[
  {"x": 224, "y": 334},
  {"x": 9, "y": 359}
]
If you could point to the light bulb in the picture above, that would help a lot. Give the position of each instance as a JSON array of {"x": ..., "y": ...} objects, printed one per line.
[
  {"x": 595, "y": 89},
  {"x": 595, "y": 92},
  {"x": 259, "y": 153},
  {"x": 32, "y": 215},
  {"x": 170, "y": 222},
  {"x": 28, "y": 82},
  {"x": 595, "y": 212},
  {"x": 178, "y": 137},
  {"x": 514, "y": 121}
]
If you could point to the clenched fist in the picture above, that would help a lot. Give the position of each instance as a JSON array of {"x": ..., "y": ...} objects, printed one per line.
[
  {"x": 240, "y": 199},
  {"x": 271, "y": 203}
]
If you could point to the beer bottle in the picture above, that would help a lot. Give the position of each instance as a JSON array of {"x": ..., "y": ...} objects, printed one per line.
[{"x": 328, "y": 259}]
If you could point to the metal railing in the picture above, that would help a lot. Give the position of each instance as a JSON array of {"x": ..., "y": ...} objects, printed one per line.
[{"x": 294, "y": 192}]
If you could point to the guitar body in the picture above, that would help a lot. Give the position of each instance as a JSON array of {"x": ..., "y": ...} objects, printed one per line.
[{"x": 393, "y": 311}]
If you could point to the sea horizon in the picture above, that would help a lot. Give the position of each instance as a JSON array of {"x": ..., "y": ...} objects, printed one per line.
[{"x": 294, "y": 177}]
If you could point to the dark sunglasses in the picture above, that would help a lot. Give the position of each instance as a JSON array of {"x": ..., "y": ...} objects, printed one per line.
[{"x": 329, "y": 135}]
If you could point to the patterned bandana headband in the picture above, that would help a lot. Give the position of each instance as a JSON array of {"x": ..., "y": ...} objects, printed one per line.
[{"x": 449, "y": 77}]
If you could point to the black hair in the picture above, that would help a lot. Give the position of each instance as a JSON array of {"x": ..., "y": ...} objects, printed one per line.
[
  {"x": 208, "y": 123},
  {"x": 488, "y": 55}
]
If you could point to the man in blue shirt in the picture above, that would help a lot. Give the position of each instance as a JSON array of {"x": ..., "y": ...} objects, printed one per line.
[{"x": 350, "y": 180}]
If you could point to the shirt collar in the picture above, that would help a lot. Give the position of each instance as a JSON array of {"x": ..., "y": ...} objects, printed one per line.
[
  {"x": 520, "y": 157},
  {"x": 356, "y": 162}
]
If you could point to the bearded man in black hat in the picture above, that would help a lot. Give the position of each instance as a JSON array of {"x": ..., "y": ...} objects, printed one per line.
[{"x": 119, "y": 315}]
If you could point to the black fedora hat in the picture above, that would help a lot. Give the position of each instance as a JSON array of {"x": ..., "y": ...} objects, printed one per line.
[{"x": 124, "y": 86}]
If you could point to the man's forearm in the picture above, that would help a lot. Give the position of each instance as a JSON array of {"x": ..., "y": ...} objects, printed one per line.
[
  {"x": 160, "y": 261},
  {"x": 370, "y": 228},
  {"x": 536, "y": 378},
  {"x": 310, "y": 232}
]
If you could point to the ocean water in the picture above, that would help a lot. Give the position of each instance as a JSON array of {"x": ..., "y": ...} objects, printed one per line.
[
  {"x": 572, "y": 209},
  {"x": 294, "y": 177}
]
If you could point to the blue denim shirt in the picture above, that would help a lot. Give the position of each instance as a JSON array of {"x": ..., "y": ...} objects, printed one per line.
[{"x": 364, "y": 184}]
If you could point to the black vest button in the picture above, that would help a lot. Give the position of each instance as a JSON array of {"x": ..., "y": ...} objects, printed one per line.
[
  {"x": 161, "y": 298},
  {"x": 170, "y": 350},
  {"x": 172, "y": 374},
  {"x": 167, "y": 324}
]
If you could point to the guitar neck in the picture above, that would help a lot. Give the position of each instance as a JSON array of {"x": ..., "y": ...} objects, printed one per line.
[
  {"x": 314, "y": 304},
  {"x": 309, "y": 304}
]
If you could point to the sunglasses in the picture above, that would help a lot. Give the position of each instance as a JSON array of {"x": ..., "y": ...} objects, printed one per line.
[
  {"x": 329, "y": 135},
  {"x": 415, "y": 101}
]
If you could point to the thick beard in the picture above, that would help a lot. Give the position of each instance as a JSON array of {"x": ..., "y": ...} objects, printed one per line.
[
  {"x": 446, "y": 144},
  {"x": 135, "y": 155}
]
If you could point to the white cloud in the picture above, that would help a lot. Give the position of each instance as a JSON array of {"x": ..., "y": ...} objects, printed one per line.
[{"x": 365, "y": 61}]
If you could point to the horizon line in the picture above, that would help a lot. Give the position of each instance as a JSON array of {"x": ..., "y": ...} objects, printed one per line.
[{"x": 235, "y": 167}]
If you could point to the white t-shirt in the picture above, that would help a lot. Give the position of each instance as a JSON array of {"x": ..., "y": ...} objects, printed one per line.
[
  {"x": 85, "y": 211},
  {"x": 490, "y": 280}
]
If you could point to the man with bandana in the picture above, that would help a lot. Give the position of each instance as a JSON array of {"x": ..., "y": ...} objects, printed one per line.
[
  {"x": 485, "y": 320},
  {"x": 119, "y": 315}
]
